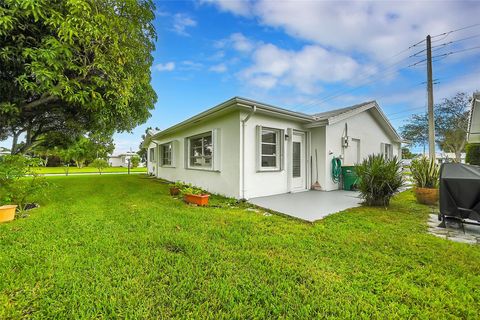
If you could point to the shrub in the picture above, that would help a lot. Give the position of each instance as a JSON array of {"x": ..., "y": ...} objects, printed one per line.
[
  {"x": 15, "y": 187},
  {"x": 379, "y": 179},
  {"x": 473, "y": 154},
  {"x": 425, "y": 173},
  {"x": 100, "y": 164},
  {"x": 134, "y": 161}
]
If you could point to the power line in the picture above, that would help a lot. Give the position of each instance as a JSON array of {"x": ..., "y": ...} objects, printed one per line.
[
  {"x": 446, "y": 34},
  {"x": 364, "y": 76},
  {"x": 317, "y": 102}
]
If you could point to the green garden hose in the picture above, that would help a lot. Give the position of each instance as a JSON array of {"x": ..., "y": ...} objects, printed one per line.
[{"x": 336, "y": 169}]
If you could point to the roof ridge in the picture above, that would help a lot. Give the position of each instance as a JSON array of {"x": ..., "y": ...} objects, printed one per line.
[{"x": 339, "y": 111}]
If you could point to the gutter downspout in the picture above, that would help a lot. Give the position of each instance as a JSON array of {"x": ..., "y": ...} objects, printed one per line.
[{"x": 244, "y": 121}]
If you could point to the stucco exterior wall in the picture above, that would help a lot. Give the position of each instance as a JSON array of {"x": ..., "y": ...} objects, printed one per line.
[
  {"x": 224, "y": 181},
  {"x": 115, "y": 161},
  {"x": 319, "y": 143},
  {"x": 258, "y": 184},
  {"x": 364, "y": 127}
]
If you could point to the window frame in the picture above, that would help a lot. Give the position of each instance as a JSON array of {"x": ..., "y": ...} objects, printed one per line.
[
  {"x": 278, "y": 149},
  {"x": 162, "y": 154},
  {"x": 203, "y": 135},
  {"x": 387, "y": 151}
]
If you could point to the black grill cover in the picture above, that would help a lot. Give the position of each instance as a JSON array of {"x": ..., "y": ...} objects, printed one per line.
[{"x": 460, "y": 191}]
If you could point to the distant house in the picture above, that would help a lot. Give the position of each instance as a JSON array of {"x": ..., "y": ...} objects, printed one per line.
[
  {"x": 4, "y": 151},
  {"x": 121, "y": 160},
  {"x": 446, "y": 157},
  {"x": 474, "y": 120},
  {"x": 244, "y": 149}
]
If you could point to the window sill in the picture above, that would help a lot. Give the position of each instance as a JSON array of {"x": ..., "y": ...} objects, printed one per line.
[
  {"x": 269, "y": 170},
  {"x": 167, "y": 166},
  {"x": 203, "y": 169}
]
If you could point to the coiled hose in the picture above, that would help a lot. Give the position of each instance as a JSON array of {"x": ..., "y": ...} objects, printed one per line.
[{"x": 336, "y": 169}]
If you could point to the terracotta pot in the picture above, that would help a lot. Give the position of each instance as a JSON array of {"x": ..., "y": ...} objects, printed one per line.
[
  {"x": 174, "y": 191},
  {"x": 7, "y": 213},
  {"x": 198, "y": 199},
  {"x": 427, "y": 196}
]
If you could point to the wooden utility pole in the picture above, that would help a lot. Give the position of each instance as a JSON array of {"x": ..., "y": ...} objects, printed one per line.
[{"x": 431, "y": 118}]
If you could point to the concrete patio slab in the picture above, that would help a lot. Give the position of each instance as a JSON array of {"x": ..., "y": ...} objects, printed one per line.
[{"x": 309, "y": 205}]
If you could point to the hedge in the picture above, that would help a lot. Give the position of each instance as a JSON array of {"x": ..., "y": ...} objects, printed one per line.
[{"x": 473, "y": 153}]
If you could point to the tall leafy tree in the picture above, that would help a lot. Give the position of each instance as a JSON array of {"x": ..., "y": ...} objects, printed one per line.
[
  {"x": 416, "y": 130},
  {"x": 451, "y": 124},
  {"x": 73, "y": 67}
]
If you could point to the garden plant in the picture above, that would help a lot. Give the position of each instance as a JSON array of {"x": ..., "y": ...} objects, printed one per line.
[{"x": 379, "y": 179}]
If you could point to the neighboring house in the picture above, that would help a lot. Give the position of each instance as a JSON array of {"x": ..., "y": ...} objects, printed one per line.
[
  {"x": 474, "y": 120},
  {"x": 4, "y": 151},
  {"x": 245, "y": 149},
  {"x": 446, "y": 157},
  {"x": 120, "y": 160},
  {"x": 150, "y": 146}
]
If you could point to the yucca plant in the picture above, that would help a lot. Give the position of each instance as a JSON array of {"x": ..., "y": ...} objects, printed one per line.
[
  {"x": 425, "y": 173},
  {"x": 379, "y": 179}
]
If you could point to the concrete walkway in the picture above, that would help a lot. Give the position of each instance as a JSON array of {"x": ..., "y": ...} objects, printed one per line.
[{"x": 309, "y": 205}]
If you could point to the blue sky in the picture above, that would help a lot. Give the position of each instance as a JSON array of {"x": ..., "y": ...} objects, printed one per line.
[{"x": 309, "y": 56}]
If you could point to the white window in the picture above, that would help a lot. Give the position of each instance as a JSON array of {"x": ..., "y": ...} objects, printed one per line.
[
  {"x": 166, "y": 154},
  {"x": 200, "y": 151},
  {"x": 151, "y": 158},
  {"x": 387, "y": 151},
  {"x": 270, "y": 149}
]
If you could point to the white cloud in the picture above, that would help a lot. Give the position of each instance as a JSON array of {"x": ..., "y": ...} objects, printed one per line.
[
  {"x": 219, "y": 68},
  {"x": 241, "y": 43},
  {"x": 181, "y": 22},
  {"x": 378, "y": 29},
  {"x": 191, "y": 65},
  {"x": 304, "y": 70},
  {"x": 238, "y": 7},
  {"x": 168, "y": 66}
]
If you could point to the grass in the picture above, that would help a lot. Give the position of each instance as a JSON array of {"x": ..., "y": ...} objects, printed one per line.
[
  {"x": 120, "y": 246},
  {"x": 61, "y": 170}
]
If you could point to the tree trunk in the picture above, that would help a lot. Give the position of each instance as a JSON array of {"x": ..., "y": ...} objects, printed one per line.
[{"x": 14, "y": 143}]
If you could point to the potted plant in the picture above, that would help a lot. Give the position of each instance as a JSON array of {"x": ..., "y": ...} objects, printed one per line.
[
  {"x": 7, "y": 213},
  {"x": 195, "y": 196},
  {"x": 16, "y": 190},
  {"x": 175, "y": 188},
  {"x": 425, "y": 174}
]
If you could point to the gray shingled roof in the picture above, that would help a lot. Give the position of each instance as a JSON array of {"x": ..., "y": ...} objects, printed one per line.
[{"x": 333, "y": 113}]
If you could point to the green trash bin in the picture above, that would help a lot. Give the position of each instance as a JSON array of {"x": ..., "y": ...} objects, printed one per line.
[{"x": 349, "y": 177}]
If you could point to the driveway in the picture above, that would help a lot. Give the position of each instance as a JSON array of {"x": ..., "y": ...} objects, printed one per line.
[{"x": 309, "y": 205}]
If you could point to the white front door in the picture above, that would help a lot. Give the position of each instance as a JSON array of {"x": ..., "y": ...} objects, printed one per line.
[{"x": 298, "y": 170}]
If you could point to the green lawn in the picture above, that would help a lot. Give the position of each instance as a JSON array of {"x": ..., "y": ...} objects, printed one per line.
[
  {"x": 61, "y": 170},
  {"x": 119, "y": 246}
]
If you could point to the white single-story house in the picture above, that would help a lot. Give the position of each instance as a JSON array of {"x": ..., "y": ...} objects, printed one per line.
[
  {"x": 120, "y": 160},
  {"x": 474, "y": 120},
  {"x": 245, "y": 149},
  {"x": 446, "y": 157}
]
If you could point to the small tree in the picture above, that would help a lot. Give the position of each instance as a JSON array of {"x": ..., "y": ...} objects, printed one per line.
[
  {"x": 407, "y": 154},
  {"x": 473, "y": 154},
  {"x": 65, "y": 156},
  {"x": 100, "y": 164},
  {"x": 14, "y": 187},
  {"x": 135, "y": 161}
]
